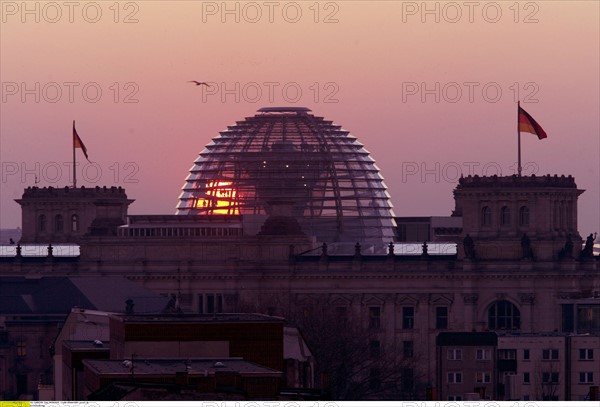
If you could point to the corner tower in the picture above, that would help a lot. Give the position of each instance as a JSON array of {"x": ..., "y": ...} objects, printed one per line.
[
  {"x": 65, "y": 215},
  {"x": 498, "y": 212}
]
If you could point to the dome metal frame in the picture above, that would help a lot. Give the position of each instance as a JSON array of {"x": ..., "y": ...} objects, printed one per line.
[{"x": 288, "y": 162}]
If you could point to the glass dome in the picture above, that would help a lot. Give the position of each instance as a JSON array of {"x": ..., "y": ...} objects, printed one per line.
[{"x": 286, "y": 162}]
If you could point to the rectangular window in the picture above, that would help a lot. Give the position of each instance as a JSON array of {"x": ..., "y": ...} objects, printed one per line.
[
  {"x": 375, "y": 349},
  {"x": 441, "y": 318},
  {"x": 586, "y": 354},
  {"x": 526, "y": 354},
  {"x": 454, "y": 354},
  {"x": 408, "y": 317},
  {"x": 454, "y": 377},
  {"x": 213, "y": 303},
  {"x": 483, "y": 377},
  {"x": 21, "y": 348},
  {"x": 550, "y": 377},
  {"x": 588, "y": 318},
  {"x": 526, "y": 378},
  {"x": 507, "y": 354},
  {"x": 210, "y": 303},
  {"x": 586, "y": 377},
  {"x": 550, "y": 354},
  {"x": 483, "y": 354},
  {"x": 374, "y": 317},
  {"x": 409, "y": 349}
]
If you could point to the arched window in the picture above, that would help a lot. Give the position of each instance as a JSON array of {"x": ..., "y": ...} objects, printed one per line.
[
  {"x": 74, "y": 223},
  {"x": 524, "y": 216},
  {"x": 505, "y": 216},
  {"x": 58, "y": 223},
  {"x": 486, "y": 216},
  {"x": 42, "y": 223},
  {"x": 504, "y": 315}
]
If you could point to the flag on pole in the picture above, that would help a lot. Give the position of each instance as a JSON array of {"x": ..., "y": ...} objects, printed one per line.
[
  {"x": 77, "y": 143},
  {"x": 529, "y": 125}
]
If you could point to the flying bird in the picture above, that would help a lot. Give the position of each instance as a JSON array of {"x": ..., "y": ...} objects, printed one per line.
[{"x": 200, "y": 83}]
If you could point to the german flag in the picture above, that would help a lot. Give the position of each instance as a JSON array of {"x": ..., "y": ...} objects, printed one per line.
[
  {"x": 529, "y": 125},
  {"x": 77, "y": 143}
]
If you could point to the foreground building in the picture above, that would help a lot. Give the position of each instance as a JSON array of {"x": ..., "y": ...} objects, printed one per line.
[
  {"x": 252, "y": 236},
  {"x": 222, "y": 355}
]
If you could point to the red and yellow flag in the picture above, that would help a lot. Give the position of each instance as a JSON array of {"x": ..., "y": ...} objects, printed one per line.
[
  {"x": 529, "y": 125},
  {"x": 77, "y": 143}
]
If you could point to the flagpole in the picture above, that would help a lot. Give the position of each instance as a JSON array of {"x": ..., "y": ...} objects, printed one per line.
[
  {"x": 74, "y": 166},
  {"x": 519, "y": 139}
]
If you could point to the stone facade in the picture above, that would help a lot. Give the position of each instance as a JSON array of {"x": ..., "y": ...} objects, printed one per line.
[{"x": 504, "y": 285}]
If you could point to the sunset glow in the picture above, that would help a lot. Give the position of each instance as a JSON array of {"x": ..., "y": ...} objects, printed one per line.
[{"x": 220, "y": 199}]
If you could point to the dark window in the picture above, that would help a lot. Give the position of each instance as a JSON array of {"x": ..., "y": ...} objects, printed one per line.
[
  {"x": 408, "y": 317},
  {"x": 526, "y": 354},
  {"x": 214, "y": 303},
  {"x": 550, "y": 354},
  {"x": 568, "y": 322},
  {"x": 586, "y": 377},
  {"x": 441, "y": 317},
  {"x": 454, "y": 354},
  {"x": 586, "y": 354},
  {"x": 483, "y": 354},
  {"x": 503, "y": 315},
  {"x": 21, "y": 348},
  {"x": 486, "y": 216},
  {"x": 454, "y": 377},
  {"x": 59, "y": 223},
  {"x": 200, "y": 304},
  {"x": 526, "y": 378},
  {"x": 483, "y": 377},
  {"x": 42, "y": 223},
  {"x": 375, "y": 349},
  {"x": 505, "y": 216},
  {"x": 374, "y": 317},
  {"x": 409, "y": 349},
  {"x": 507, "y": 354},
  {"x": 550, "y": 377},
  {"x": 524, "y": 216},
  {"x": 74, "y": 223}
]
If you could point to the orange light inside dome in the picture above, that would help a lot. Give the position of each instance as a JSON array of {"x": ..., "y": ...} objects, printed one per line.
[{"x": 220, "y": 199}]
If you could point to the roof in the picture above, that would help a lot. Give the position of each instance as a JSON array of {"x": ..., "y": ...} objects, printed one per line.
[
  {"x": 283, "y": 109},
  {"x": 187, "y": 318},
  {"x": 170, "y": 367},
  {"x": 87, "y": 346},
  {"x": 58, "y": 295},
  {"x": 294, "y": 345},
  {"x": 467, "y": 339}
]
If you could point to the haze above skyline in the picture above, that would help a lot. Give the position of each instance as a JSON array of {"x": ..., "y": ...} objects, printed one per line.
[{"x": 421, "y": 96}]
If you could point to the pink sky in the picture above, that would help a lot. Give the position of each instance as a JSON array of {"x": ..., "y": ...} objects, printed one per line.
[{"x": 370, "y": 58}]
